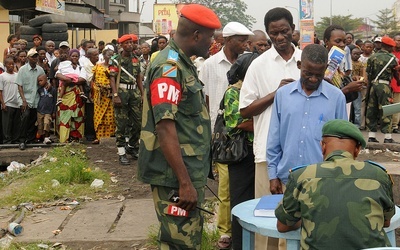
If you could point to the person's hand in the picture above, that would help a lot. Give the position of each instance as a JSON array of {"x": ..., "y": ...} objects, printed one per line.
[
  {"x": 354, "y": 86},
  {"x": 24, "y": 106},
  {"x": 187, "y": 197},
  {"x": 53, "y": 116},
  {"x": 117, "y": 101},
  {"x": 285, "y": 81},
  {"x": 3, "y": 107},
  {"x": 275, "y": 186}
]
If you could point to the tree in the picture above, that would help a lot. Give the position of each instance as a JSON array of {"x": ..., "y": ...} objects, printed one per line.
[
  {"x": 348, "y": 23},
  {"x": 386, "y": 22},
  {"x": 227, "y": 10}
]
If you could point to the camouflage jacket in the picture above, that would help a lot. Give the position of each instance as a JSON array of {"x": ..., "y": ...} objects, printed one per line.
[
  {"x": 342, "y": 203},
  {"x": 375, "y": 64},
  {"x": 173, "y": 91},
  {"x": 130, "y": 64}
]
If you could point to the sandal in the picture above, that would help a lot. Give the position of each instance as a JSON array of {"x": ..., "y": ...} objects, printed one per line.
[
  {"x": 224, "y": 242},
  {"x": 59, "y": 101},
  {"x": 96, "y": 141},
  {"x": 83, "y": 97}
]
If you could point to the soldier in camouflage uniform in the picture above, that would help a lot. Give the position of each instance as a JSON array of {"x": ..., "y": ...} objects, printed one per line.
[
  {"x": 127, "y": 91},
  {"x": 340, "y": 203},
  {"x": 176, "y": 131},
  {"x": 380, "y": 93}
]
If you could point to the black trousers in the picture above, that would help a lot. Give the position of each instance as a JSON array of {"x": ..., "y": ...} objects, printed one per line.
[
  {"x": 10, "y": 122},
  {"x": 28, "y": 129},
  {"x": 241, "y": 188},
  {"x": 90, "y": 133}
]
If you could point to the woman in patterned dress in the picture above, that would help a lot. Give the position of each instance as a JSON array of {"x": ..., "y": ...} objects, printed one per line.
[{"x": 104, "y": 123}]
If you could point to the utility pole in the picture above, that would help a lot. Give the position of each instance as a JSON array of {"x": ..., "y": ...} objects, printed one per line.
[{"x": 331, "y": 15}]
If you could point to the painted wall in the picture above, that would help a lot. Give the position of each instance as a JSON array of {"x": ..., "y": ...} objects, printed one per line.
[
  {"x": 4, "y": 30},
  {"x": 75, "y": 36}
]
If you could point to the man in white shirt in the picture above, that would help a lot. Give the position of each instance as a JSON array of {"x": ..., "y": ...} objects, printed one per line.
[
  {"x": 271, "y": 70},
  {"x": 213, "y": 75},
  {"x": 87, "y": 63},
  {"x": 50, "y": 46}
]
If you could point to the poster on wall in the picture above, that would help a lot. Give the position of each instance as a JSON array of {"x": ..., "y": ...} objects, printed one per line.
[
  {"x": 306, "y": 22},
  {"x": 51, "y": 6},
  {"x": 165, "y": 17}
]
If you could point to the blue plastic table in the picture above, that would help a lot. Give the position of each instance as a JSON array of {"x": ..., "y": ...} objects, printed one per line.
[{"x": 267, "y": 226}]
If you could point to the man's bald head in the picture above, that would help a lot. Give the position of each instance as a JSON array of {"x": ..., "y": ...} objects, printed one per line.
[{"x": 258, "y": 42}]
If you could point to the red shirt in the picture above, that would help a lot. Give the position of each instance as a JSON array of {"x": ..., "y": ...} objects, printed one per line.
[{"x": 393, "y": 83}]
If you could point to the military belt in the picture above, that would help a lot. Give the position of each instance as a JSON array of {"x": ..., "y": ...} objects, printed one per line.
[
  {"x": 383, "y": 81},
  {"x": 127, "y": 85}
]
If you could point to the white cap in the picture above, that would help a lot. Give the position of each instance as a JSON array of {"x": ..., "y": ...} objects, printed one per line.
[
  {"x": 32, "y": 52},
  {"x": 235, "y": 28},
  {"x": 109, "y": 46},
  {"x": 64, "y": 43},
  {"x": 378, "y": 39}
]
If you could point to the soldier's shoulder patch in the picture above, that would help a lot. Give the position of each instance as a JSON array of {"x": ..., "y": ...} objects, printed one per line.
[
  {"x": 172, "y": 56},
  {"x": 376, "y": 164},
  {"x": 170, "y": 71},
  {"x": 297, "y": 168}
]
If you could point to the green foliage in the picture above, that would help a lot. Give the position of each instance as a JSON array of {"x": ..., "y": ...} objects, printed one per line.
[
  {"x": 387, "y": 22},
  {"x": 347, "y": 22},
  {"x": 227, "y": 10},
  {"x": 69, "y": 166}
]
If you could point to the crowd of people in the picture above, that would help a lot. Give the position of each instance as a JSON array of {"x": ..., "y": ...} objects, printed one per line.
[{"x": 161, "y": 101}]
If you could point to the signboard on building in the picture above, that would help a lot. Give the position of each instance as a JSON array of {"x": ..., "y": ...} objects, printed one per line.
[
  {"x": 51, "y": 6},
  {"x": 306, "y": 22},
  {"x": 165, "y": 17}
]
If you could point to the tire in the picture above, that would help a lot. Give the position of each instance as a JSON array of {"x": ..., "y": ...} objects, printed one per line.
[
  {"x": 40, "y": 20},
  {"x": 54, "y": 27},
  {"x": 29, "y": 46},
  {"x": 27, "y": 30},
  {"x": 55, "y": 36},
  {"x": 28, "y": 38}
]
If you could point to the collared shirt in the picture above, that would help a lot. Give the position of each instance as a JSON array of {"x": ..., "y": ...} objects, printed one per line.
[
  {"x": 27, "y": 78},
  {"x": 213, "y": 75},
  {"x": 50, "y": 58},
  {"x": 343, "y": 203},
  {"x": 87, "y": 65},
  {"x": 262, "y": 78},
  {"x": 296, "y": 124}
]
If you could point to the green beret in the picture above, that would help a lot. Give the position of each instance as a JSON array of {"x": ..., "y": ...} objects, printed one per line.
[{"x": 344, "y": 130}]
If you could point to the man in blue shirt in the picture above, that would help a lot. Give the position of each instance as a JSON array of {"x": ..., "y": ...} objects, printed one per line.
[{"x": 299, "y": 111}]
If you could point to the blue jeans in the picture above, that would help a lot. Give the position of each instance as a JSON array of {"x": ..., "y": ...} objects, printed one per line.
[{"x": 357, "y": 110}]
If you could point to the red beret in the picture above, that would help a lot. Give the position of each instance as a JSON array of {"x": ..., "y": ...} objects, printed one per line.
[
  {"x": 134, "y": 38},
  {"x": 201, "y": 15},
  {"x": 388, "y": 41},
  {"x": 125, "y": 38}
]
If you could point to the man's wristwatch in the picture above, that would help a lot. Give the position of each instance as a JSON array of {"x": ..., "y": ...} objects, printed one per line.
[{"x": 115, "y": 94}]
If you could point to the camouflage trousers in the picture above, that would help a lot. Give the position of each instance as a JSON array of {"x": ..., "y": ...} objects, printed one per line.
[
  {"x": 177, "y": 232},
  {"x": 379, "y": 95},
  {"x": 128, "y": 117}
]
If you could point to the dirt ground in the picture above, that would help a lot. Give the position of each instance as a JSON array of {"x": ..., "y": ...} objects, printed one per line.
[{"x": 104, "y": 156}]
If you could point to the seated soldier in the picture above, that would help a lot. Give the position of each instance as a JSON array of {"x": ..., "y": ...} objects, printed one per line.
[{"x": 340, "y": 203}]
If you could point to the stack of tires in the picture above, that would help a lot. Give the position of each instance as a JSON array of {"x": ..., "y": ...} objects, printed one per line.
[
  {"x": 57, "y": 32},
  {"x": 44, "y": 26}
]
